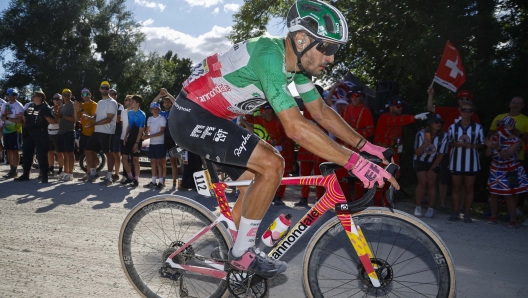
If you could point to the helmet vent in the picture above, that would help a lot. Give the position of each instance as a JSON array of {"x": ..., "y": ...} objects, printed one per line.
[
  {"x": 310, "y": 7},
  {"x": 329, "y": 23}
]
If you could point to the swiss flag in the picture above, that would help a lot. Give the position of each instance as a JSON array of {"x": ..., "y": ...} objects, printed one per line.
[{"x": 450, "y": 72}]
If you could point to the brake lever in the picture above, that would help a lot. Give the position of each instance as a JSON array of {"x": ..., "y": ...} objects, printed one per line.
[{"x": 389, "y": 195}]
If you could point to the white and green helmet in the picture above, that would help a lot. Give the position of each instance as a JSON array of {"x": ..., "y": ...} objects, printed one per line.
[{"x": 319, "y": 19}]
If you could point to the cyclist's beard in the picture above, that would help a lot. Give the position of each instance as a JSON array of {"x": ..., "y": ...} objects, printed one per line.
[{"x": 311, "y": 65}]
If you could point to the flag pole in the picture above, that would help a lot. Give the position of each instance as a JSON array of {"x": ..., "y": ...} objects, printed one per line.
[{"x": 432, "y": 83}]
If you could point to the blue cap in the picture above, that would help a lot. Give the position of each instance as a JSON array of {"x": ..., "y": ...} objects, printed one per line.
[
  {"x": 154, "y": 105},
  {"x": 10, "y": 91}
]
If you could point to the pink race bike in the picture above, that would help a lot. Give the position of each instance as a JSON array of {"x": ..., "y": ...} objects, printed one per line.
[{"x": 172, "y": 246}]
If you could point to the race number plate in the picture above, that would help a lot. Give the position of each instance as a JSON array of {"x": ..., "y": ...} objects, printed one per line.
[{"x": 202, "y": 180}]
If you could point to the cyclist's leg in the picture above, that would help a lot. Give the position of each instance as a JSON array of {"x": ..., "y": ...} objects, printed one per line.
[{"x": 220, "y": 140}]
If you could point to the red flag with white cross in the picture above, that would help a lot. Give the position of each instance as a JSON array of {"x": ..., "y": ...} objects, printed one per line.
[{"x": 450, "y": 72}]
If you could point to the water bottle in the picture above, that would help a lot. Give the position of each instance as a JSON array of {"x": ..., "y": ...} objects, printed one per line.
[{"x": 276, "y": 230}]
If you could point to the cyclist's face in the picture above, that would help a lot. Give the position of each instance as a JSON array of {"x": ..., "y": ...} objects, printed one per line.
[{"x": 315, "y": 62}]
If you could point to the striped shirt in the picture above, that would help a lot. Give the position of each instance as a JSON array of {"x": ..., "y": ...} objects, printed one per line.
[
  {"x": 438, "y": 146},
  {"x": 465, "y": 160}
]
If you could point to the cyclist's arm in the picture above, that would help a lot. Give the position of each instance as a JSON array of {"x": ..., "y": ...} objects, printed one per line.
[
  {"x": 332, "y": 122},
  {"x": 310, "y": 137}
]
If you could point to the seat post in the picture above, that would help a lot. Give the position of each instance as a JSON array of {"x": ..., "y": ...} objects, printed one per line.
[{"x": 209, "y": 165}]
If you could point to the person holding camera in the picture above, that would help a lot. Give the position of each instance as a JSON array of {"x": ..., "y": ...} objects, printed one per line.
[
  {"x": 507, "y": 175},
  {"x": 430, "y": 146}
]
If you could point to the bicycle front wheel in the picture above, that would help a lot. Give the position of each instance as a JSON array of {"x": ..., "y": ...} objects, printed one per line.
[
  {"x": 409, "y": 257},
  {"x": 157, "y": 227}
]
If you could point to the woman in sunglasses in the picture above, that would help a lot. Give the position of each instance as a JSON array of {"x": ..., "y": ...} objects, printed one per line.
[
  {"x": 465, "y": 138},
  {"x": 430, "y": 145},
  {"x": 507, "y": 176}
]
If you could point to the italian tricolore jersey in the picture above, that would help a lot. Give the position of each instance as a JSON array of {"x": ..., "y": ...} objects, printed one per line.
[{"x": 248, "y": 75}]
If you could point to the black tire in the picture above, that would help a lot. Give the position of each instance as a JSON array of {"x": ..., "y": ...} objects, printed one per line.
[
  {"x": 101, "y": 157},
  {"x": 416, "y": 261},
  {"x": 152, "y": 228}
]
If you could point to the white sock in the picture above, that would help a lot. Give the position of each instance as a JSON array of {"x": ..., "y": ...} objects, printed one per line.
[
  {"x": 92, "y": 171},
  {"x": 247, "y": 234},
  {"x": 161, "y": 180},
  {"x": 154, "y": 179},
  {"x": 109, "y": 175}
]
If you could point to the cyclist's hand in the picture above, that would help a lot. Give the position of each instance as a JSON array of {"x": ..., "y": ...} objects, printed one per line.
[
  {"x": 368, "y": 172},
  {"x": 374, "y": 150}
]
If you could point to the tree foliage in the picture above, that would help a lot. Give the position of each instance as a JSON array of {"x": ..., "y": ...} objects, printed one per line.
[
  {"x": 403, "y": 40},
  {"x": 60, "y": 44}
]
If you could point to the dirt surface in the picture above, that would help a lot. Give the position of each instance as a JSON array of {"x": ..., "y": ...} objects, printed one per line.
[{"x": 60, "y": 240}]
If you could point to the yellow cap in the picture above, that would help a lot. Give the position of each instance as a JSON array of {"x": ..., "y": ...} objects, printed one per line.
[
  {"x": 66, "y": 90},
  {"x": 104, "y": 83}
]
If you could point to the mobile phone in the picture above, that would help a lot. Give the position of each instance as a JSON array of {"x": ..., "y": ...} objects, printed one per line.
[{"x": 428, "y": 136}]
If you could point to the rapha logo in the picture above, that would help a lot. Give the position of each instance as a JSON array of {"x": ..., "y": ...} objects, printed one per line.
[
  {"x": 220, "y": 135},
  {"x": 202, "y": 131},
  {"x": 242, "y": 146}
]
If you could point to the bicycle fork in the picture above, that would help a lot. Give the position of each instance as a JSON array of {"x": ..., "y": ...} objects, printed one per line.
[{"x": 361, "y": 246}]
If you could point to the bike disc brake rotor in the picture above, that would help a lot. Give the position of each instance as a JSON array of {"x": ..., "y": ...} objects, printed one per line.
[
  {"x": 383, "y": 270},
  {"x": 243, "y": 284}
]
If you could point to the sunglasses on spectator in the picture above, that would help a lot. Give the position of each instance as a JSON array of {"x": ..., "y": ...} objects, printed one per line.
[
  {"x": 466, "y": 110},
  {"x": 398, "y": 106},
  {"x": 85, "y": 94},
  {"x": 56, "y": 98},
  {"x": 66, "y": 94},
  {"x": 465, "y": 98},
  {"x": 326, "y": 48},
  {"x": 105, "y": 88},
  {"x": 437, "y": 122}
]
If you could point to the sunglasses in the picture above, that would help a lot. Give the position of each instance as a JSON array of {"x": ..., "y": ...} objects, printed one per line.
[
  {"x": 105, "y": 88},
  {"x": 66, "y": 94},
  {"x": 326, "y": 48},
  {"x": 437, "y": 122},
  {"x": 466, "y": 110},
  {"x": 465, "y": 98},
  {"x": 398, "y": 106},
  {"x": 85, "y": 94},
  {"x": 56, "y": 98}
]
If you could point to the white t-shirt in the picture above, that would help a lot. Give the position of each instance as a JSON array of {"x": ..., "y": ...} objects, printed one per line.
[
  {"x": 155, "y": 125},
  {"x": 106, "y": 106},
  {"x": 124, "y": 121},
  {"x": 15, "y": 109},
  {"x": 1, "y": 110}
]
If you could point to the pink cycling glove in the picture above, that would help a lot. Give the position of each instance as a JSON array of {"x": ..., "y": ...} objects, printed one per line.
[
  {"x": 366, "y": 171},
  {"x": 373, "y": 149}
]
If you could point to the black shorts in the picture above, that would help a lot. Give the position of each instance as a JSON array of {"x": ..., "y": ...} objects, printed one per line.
[
  {"x": 470, "y": 174},
  {"x": 444, "y": 176},
  {"x": 83, "y": 140},
  {"x": 127, "y": 148},
  {"x": 169, "y": 144},
  {"x": 53, "y": 143},
  {"x": 116, "y": 143},
  {"x": 66, "y": 142},
  {"x": 13, "y": 141},
  {"x": 423, "y": 166},
  {"x": 99, "y": 142},
  {"x": 195, "y": 129}
]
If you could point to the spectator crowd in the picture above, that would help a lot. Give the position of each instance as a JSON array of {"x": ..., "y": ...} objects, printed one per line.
[{"x": 447, "y": 150}]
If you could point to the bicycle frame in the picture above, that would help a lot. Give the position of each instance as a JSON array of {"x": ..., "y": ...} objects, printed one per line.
[{"x": 332, "y": 198}]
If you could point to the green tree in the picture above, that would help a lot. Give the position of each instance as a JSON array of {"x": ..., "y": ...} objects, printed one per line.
[{"x": 74, "y": 44}]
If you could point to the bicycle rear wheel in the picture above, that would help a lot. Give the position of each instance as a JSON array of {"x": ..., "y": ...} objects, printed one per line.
[
  {"x": 157, "y": 227},
  {"x": 411, "y": 258}
]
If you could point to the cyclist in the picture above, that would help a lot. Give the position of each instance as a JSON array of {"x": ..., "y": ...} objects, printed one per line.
[{"x": 250, "y": 74}]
